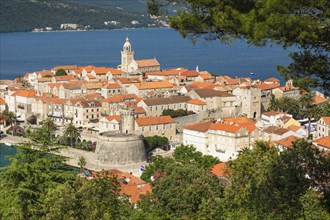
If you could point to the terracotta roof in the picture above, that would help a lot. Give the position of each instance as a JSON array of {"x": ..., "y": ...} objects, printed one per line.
[
  {"x": 72, "y": 85},
  {"x": 285, "y": 118},
  {"x": 45, "y": 73},
  {"x": 206, "y": 93},
  {"x": 276, "y": 130},
  {"x": 112, "y": 86},
  {"x": 115, "y": 72},
  {"x": 47, "y": 79},
  {"x": 190, "y": 73},
  {"x": 200, "y": 127},
  {"x": 25, "y": 93},
  {"x": 196, "y": 102},
  {"x": 323, "y": 141},
  {"x": 65, "y": 78},
  {"x": 145, "y": 121},
  {"x": 101, "y": 70},
  {"x": 5, "y": 82},
  {"x": 169, "y": 72},
  {"x": 120, "y": 98},
  {"x": 286, "y": 88},
  {"x": 113, "y": 117},
  {"x": 272, "y": 80},
  {"x": 89, "y": 104},
  {"x": 52, "y": 85},
  {"x": 206, "y": 76},
  {"x": 319, "y": 100},
  {"x": 265, "y": 86},
  {"x": 225, "y": 127},
  {"x": 220, "y": 170},
  {"x": 203, "y": 85},
  {"x": 153, "y": 85},
  {"x": 326, "y": 120},
  {"x": 272, "y": 113},
  {"x": 2, "y": 101},
  {"x": 146, "y": 63},
  {"x": 225, "y": 88},
  {"x": 93, "y": 85},
  {"x": 166, "y": 101},
  {"x": 243, "y": 122},
  {"x": 139, "y": 110},
  {"x": 294, "y": 128},
  {"x": 88, "y": 69},
  {"x": 68, "y": 67},
  {"x": 231, "y": 81},
  {"x": 91, "y": 77},
  {"x": 91, "y": 96},
  {"x": 129, "y": 80},
  {"x": 287, "y": 142}
]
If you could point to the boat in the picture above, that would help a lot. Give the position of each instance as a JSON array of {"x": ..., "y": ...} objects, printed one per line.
[{"x": 8, "y": 144}]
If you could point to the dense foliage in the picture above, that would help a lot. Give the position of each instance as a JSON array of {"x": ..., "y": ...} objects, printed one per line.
[
  {"x": 155, "y": 141},
  {"x": 177, "y": 113},
  {"x": 304, "y": 24},
  {"x": 29, "y": 15},
  {"x": 264, "y": 183},
  {"x": 60, "y": 72}
]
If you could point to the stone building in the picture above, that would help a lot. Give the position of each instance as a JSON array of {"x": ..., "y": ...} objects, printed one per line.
[
  {"x": 323, "y": 127},
  {"x": 250, "y": 100}
]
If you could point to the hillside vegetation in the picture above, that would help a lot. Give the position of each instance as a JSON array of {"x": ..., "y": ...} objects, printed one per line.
[{"x": 26, "y": 15}]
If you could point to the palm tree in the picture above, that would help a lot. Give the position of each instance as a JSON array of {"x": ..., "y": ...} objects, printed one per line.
[
  {"x": 8, "y": 116},
  {"x": 73, "y": 133},
  {"x": 49, "y": 127},
  {"x": 274, "y": 104}
]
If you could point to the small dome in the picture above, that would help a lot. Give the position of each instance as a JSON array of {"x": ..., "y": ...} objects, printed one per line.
[{"x": 127, "y": 43}]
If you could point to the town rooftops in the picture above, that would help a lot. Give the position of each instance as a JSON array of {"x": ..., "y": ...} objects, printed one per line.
[
  {"x": 157, "y": 120},
  {"x": 2, "y": 101},
  {"x": 166, "y": 101},
  {"x": 72, "y": 85},
  {"x": 101, "y": 70},
  {"x": 89, "y": 104},
  {"x": 146, "y": 63},
  {"x": 272, "y": 80},
  {"x": 45, "y": 73},
  {"x": 68, "y": 67},
  {"x": 169, "y": 72},
  {"x": 129, "y": 80},
  {"x": 326, "y": 120},
  {"x": 113, "y": 117},
  {"x": 272, "y": 113},
  {"x": 276, "y": 130},
  {"x": 225, "y": 127},
  {"x": 25, "y": 93},
  {"x": 265, "y": 86},
  {"x": 119, "y": 98},
  {"x": 319, "y": 100},
  {"x": 153, "y": 85},
  {"x": 220, "y": 170},
  {"x": 206, "y": 93},
  {"x": 243, "y": 122},
  {"x": 200, "y": 127},
  {"x": 287, "y": 141},
  {"x": 112, "y": 86},
  {"x": 190, "y": 73},
  {"x": 196, "y": 102},
  {"x": 323, "y": 142}
]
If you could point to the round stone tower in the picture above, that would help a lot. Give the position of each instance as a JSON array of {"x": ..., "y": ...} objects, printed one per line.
[{"x": 127, "y": 121}]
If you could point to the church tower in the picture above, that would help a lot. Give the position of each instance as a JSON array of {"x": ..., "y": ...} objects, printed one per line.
[{"x": 127, "y": 56}]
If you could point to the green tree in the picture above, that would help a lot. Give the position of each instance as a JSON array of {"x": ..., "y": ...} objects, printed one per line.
[
  {"x": 304, "y": 24},
  {"x": 82, "y": 162},
  {"x": 268, "y": 184},
  {"x": 60, "y": 72},
  {"x": 72, "y": 132},
  {"x": 27, "y": 179},
  {"x": 155, "y": 141}
]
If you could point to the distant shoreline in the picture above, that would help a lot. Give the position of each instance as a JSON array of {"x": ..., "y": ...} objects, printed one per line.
[{"x": 84, "y": 30}]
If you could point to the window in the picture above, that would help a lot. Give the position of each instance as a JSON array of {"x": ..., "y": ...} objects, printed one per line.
[{"x": 156, "y": 127}]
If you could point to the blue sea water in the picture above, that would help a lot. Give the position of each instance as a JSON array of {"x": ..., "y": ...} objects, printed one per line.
[
  {"x": 21, "y": 53},
  {"x": 6, "y": 151}
]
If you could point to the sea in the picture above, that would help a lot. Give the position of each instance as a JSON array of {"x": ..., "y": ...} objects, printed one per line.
[{"x": 27, "y": 52}]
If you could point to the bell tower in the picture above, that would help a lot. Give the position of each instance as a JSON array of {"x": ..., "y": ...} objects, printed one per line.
[{"x": 127, "y": 56}]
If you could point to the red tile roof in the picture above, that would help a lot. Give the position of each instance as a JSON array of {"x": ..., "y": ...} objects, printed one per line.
[
  {"x": 225, "y": 127},
  {"x": 243, "y": 122},
  {"x": 272, "y": 80},
  {"x": 157, "y": 120},
  {"x": 200, "y": 127},
  {"x": 68, "y": 67},
  {"x": 113, "y": 117},
  {"x": 323, "y": 141},
  {"x": 153, "y": 85},
  {"x": 264, "y": 86},
  {"x": 287, "y": 142},
  {"x": 2, "y": 101},
  {"x": 25, "y": 93},
  {"x": 326, "y": 120},
  {"x": 196, "y": 102},
  {"x": 190, "y": 73},
  {"x": 319, "y": 100},
  {"x": 272, "y": 113},
  {"x": 146, "y": 63},
  {"x": 129, "y": 80},
  {"x": 220, "y": 170}
]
